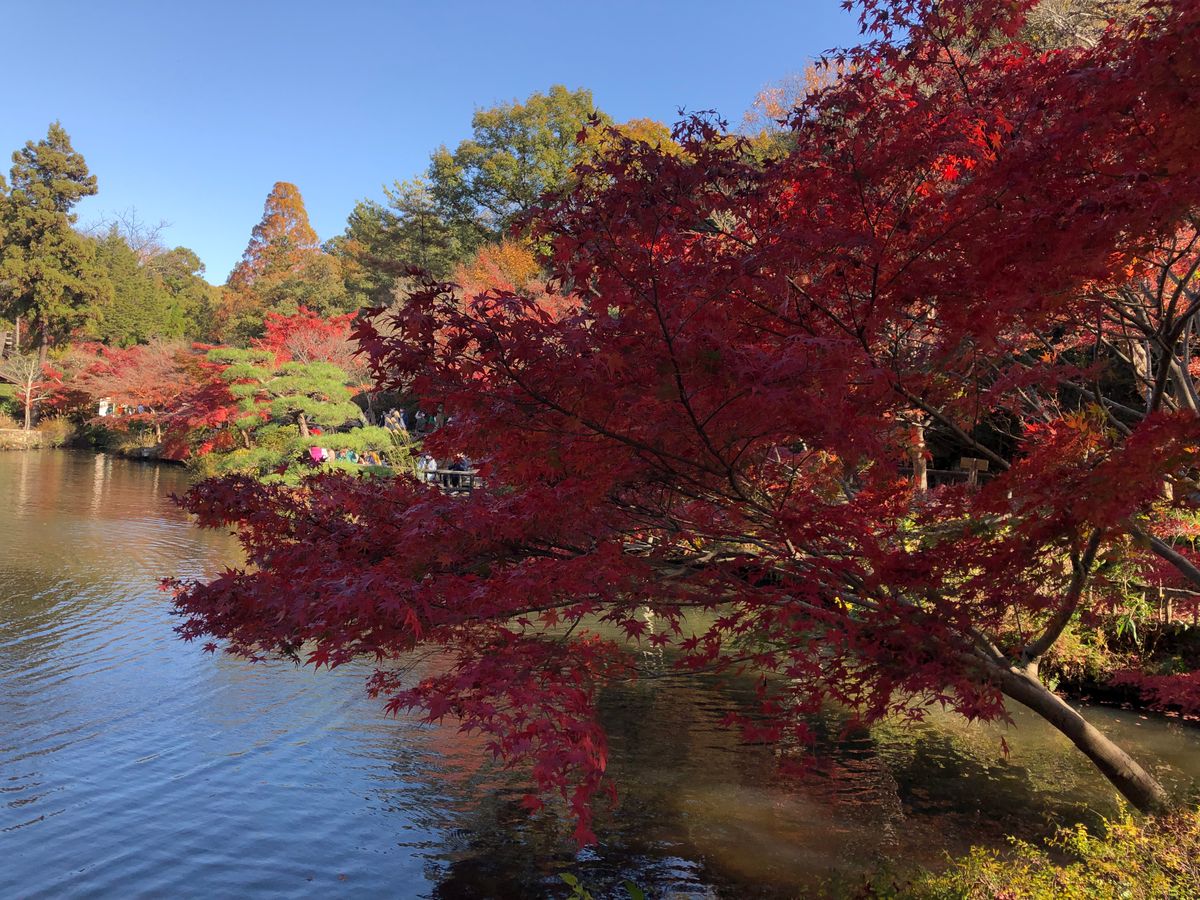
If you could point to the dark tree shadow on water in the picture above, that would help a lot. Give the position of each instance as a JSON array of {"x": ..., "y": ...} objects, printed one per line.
[{"x": 701, "y": 814}]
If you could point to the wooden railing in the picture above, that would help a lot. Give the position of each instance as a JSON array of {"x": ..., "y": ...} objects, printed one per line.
[{"x": 456, "y": 480}]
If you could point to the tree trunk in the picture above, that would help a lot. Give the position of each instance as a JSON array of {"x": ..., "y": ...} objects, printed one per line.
[
  {"x": 303, "y": 423},
  {"x": 1137, "y": 785},
  {"x": 917, "y": 453},
  {"x": 43, "y": 341},
  {"x": 28, "y": 410},
  {"x": 1139, "y": 354}
]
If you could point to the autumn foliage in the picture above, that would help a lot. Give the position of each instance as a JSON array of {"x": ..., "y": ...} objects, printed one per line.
[
  {"x": 283, "y": 269},
  {"x": 702, "y": 449},
  {"x": 146, "y": 379},
  {"x": 510, "y": 268},
  {"x": 306, "y": 336}
]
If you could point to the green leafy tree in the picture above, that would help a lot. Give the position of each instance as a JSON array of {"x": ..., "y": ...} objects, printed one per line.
[
  {"x": 472, "y": 194},
  {"x": 383, "y": 240},
  {"x": 134, "y": 311},
  {"x": 48, "y": 271},
  {"x": 6, "y": 323},
  {"x": 154, "y": 296},
  {"x": 517, "y": 152},
  {"x": 191, "y": 310}
]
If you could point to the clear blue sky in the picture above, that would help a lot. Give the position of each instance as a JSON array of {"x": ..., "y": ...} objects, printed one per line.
[{"x": 189, "y": 112}]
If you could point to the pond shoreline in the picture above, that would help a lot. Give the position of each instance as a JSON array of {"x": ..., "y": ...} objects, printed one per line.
[
  {"x": 17, "y": 439},
  {"x": 1086, "y": 690},
  {"x": 20, "y": 439}
]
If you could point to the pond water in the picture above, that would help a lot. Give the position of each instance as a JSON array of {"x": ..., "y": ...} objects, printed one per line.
[{"x": 132, "y": 764}]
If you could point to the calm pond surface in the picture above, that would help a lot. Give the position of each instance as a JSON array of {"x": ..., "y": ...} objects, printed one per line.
[{"x": 132, "y": 764}]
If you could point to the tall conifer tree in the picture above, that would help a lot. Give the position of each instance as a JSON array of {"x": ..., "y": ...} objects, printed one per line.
[
  {"x": 283, "y": 269},
  {"x": 48, "y": 271}
]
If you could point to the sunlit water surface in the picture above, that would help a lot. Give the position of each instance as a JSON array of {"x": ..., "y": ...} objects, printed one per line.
[{"x": 134, "y": 765}]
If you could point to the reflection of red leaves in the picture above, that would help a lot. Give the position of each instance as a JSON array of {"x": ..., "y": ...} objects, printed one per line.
[{"x": 1164, "y": 692}]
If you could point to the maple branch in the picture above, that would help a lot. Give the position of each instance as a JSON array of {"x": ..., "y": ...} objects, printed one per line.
[
  {"x": 988, "y": 646},
  {"x": 1167, "y": 552},
  {"x": 685, "y": 400},
  {"x": 1081, "y": 566}
]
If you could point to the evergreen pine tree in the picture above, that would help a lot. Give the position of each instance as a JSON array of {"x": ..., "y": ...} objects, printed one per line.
[
  {"x": 301, "y": 394},
  {"x": 48, "y": 271}
]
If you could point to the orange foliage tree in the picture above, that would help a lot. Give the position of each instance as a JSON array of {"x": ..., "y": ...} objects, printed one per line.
[
  {"x": 282, "y": 270},
  {"x": 510, "y": 267}
]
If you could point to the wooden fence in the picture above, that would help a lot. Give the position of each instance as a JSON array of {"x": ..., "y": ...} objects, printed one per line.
[{"x": 1174, "y": 604}]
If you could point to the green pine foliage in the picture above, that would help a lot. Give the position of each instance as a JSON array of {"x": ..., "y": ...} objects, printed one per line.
[
  {"x": 281, "y": 454},
  {"x": 383, "y": 240},
  {"x": 303, "y": 394},
  {"x": 65, "y": 285},
  {"x": 280, "y": 408},
  {"x": 49, "y": 270},
  {"x": 313, "y": 393}
]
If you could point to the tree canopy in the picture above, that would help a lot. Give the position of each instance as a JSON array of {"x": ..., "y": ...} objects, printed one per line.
[
  {"x": 473, "y": 195},
  {"x": 303, "y": 393},
  {"x": 155, "y": 295},
  {"x": 147, "y": 379},
  {"x": 517, "y": 153},
  {"x": 383, "y": 241},
  {"x": 702, "y": 449},
  {"x": 284, "y": 268},
  {"x": 48, "y": 271}
]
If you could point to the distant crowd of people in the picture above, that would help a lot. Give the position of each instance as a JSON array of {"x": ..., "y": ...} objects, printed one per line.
[
  {"x": 366, "y": 458},
  {"x": 108, "y": 408},
  {"x": 398, "y": 420},
  {"x": 460, "y": 475}
]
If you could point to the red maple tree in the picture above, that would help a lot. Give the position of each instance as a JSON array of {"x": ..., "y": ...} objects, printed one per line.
[
  {"x": 307, "y": 336},
  {"x": 709, "y": 436},
  {"x": 201, "y": 419},
  {"x": 146, "y": 381}
]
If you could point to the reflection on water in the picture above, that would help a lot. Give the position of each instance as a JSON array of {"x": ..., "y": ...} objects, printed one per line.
[{"x": 132, "y": 764}]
